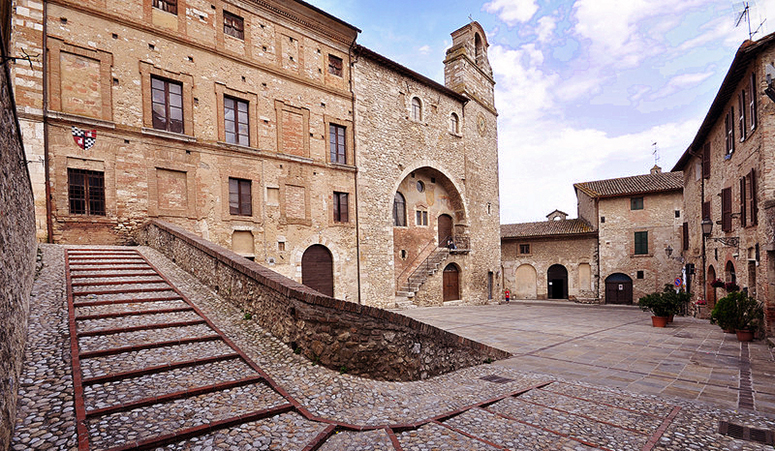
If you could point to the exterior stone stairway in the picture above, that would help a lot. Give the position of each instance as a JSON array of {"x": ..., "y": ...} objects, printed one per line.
[{"x": 430, "y": 266}]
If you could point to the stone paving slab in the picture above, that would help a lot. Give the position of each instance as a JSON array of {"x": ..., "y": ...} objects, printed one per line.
[{"x": 459, "y": 410}]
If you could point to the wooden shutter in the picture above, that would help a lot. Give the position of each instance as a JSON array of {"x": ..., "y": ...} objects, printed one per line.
[
  {"x": 685, "y": 236},
  {"x": 706, "y": 210},
  {"x": 752, "y": 203},
  {"x": 726, "y": 209},
  {"x": 343, "y": 207},
  {"x": 743, "y": 202},
  {"x": 742, "y": 106},
  {"x": 245, "y": 203},
  {"x": 706, "y": 161},
  {"x": 752, "y": 102}
]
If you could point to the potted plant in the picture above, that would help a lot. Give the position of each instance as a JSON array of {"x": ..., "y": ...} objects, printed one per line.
[
  {"x": 679, "y": 299},
  {"x": 750, "y": 314},
  {"x": 717, "y": 283},
  {"x": 661, "y": 305},
  {"x": 731, "y": 287},
  {"x": 725, "y": 312}
]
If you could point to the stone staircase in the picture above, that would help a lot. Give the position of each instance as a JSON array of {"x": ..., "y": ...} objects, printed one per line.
[{"x": 430, "y": 266}]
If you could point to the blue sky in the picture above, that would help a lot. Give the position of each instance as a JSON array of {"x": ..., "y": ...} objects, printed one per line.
[{"x": 584, "y": 88}]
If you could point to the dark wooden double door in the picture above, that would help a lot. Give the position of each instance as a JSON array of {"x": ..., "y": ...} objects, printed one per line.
[
  {"x": 317, "y": 269},
  {"x": 618, "y": 289}
]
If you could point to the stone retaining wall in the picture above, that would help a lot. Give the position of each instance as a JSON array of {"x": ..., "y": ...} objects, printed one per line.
[
  {"x": 17, "y": 255},
  {"x": 366, "y": 341}
]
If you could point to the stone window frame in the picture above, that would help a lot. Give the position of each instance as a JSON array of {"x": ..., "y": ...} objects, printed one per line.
[
  {"x": 454, "y": 124},
  {"x": 399, "y": 216},
  {"x": 146, "y": 71},
  {"x": 284, "y": 219},
  {"x": 333, "y": 60},
  {"x": 256, "y": 190},
  {"x": 168, "y": 6},
  {"x": 62, "y": 192},
  {"x": 636, "y": 234},
  {"x": 336, "y": 207},
  {"x": 149, "y": 11},
  {"x": 55, "y": 48},
  {"x": 251, "y": 98},
  {"x": 421, "y": 216},
  {"x": 153, "y": 190},
  {"x": 520, "y": 248},
  {"x": 328, "y": 121},
  {"x": 87, "y": 192},
  {"x": 241, "y": 183},
  {"x": 279, "y": 107},
  {"x": 637, "y": 203},
  {"x": 235, "y": 23},
  {"x": 416, "y": 111}
]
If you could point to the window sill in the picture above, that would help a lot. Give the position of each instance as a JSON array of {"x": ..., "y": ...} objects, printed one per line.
[
  {"x": 95, "y": 219},
  {"x": 456, "y": 135},
  {"x": 237, "y": 146},
  {"x": 290, "y": 157},
  {"x": 641, "y": 255},
  {"x": 168, "y": 135},
  {"x": 346, "y": 166}
]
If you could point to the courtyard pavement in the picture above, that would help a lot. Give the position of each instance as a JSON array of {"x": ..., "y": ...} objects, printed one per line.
[
  {"x": 616, "y": 346},
  {"x": 126, "y": 351}
]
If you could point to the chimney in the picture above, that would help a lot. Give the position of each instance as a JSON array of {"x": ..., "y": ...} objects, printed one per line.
[{"x": 656, "y": 170}]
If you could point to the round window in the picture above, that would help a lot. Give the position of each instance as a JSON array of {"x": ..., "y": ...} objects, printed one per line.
[{"x": 420, "y": 186}]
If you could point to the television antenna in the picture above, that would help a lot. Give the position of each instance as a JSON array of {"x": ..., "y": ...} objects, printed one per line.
[
  {"x": 655, "y": 152},
  {"x": 743, "y": 12}
]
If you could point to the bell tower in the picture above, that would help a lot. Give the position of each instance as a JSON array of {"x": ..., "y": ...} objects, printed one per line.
[{"x": 466, "y": 67}]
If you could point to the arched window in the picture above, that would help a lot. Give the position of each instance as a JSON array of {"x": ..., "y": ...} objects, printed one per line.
[
  {"x": 399, "y": 210},
  {"x": 454, "y": 124},
  {"x": 478, "y": 48},
  {"x": 416, "y": 109}
]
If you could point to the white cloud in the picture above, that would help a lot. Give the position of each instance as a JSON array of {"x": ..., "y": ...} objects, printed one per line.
[
  {"x": 523, "y": 88},
  {"x": 512, "y": 11},
  {"x": 683, "y": 81},
  {"x": 424, "y": 50},
  {"x": 546, "y": 27}
]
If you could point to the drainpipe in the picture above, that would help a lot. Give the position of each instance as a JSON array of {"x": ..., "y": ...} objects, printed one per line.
[
  {"x": 46, "y": 157},
  {"x": 357, "y": 199}
]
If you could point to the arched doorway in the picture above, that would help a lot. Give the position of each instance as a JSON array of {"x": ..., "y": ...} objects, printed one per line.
[
  {"x": 526, "y": 278},
  {"x": 557, "y": 278},
  {"x": 451, "y": 283},
  {"x": 711, "y": 290},
  {"x": 445, "y": 229},
  {"x": 317, "y": 269},
  {"x": 731, "y": 276},
  {"x": 618, "y": 289}
]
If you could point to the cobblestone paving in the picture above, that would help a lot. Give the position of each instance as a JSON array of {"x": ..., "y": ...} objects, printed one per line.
[{"x": 189, "y": 387}]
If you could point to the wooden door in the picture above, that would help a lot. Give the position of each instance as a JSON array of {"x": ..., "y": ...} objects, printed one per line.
[
  {"x": 445, "y": 229},
  {"x": 451, "y": 283},
  {"x": 618, "y": 289},
  {"x": 317, "y": 269}
]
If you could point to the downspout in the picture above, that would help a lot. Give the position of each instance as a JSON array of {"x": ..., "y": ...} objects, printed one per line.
[
  {"x": 357, "y": 199},
  {"x": 704, "y": 258},
  {"x": 46, "y": 158}
]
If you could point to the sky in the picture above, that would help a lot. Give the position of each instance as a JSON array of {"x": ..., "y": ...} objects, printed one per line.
[{"x": 585, "y": 90}]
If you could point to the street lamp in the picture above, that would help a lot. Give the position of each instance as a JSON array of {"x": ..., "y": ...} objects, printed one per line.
[{"x": 707, "y": 227}]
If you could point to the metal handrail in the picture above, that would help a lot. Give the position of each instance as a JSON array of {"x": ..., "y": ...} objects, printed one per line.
[
  {"x": 398, "y": 279},
  {"x": 424, "y": 266}
]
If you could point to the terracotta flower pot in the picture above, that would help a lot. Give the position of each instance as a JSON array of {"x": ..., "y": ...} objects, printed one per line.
[
  {"x": 729, "y": 331},
  {"x": 659, "y": 321},
  {"x": 744, "y": 335}
]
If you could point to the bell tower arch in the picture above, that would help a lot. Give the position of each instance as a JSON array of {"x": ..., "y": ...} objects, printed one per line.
[{"x": 467, "y": 69}]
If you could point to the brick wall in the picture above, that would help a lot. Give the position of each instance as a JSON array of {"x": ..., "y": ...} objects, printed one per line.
[
  {"x": 368, "y": 341},
  {"x": 17, "y": 256}
]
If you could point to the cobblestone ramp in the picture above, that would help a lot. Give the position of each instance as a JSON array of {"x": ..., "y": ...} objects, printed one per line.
[{"x": 150, "y": 371}]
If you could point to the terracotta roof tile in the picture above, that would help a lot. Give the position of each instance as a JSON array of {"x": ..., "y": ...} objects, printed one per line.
[
  {"x": 546, "y": 228},
  {"x": 638, "y": 184}
]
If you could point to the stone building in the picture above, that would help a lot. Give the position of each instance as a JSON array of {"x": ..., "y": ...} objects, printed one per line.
[
  {"x": 554, "y": 259},
  {"x": 625, "y": 243},
  {"x": 728, "y": 177},
  {"x": 638, "y": 220},
  {"x": 264, "y": 127}
]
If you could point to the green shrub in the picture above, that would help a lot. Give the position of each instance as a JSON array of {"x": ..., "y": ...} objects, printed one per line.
[
  {"x": 664, "y": 303},
  {"x": 725, "y": 312}
]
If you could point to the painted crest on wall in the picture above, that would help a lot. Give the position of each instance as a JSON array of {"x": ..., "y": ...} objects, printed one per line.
[{"x": 84, "y": 138}]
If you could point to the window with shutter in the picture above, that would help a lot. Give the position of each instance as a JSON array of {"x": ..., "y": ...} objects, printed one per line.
[
  {"x": 233, "y": 25},
  {"x": 240, "y": 198},
  {"x": 752, "y": 102},
  {"x": 742, "y": 105},
  {"x": 730, "y": 131},
  {"x": 86, "y": 192},
  {"x": 706, "y": 161},
  {"x": 726, "y": 209},
  {"x": 706, "y": 210},
  {"x": 170, "y": 6},
  {"x": 399, "y": 210},
  {"x": 338, "y": 143},
  {"x": 685, "y": 236},
  {"x": 743, "y": 202},
  {"x": 167, "y": 104},
  {"x": 752, "y": 201},
  {"x": 340, "y": 207},
  {"x": 236, "y": 122},
  {"x": 335, "y": 65},
  {"x": 641, "y": 243}
]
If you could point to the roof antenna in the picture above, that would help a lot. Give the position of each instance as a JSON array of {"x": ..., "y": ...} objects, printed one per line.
[
  {"x": 655, "y": 152},
  {"x": 743, "y": 11}
]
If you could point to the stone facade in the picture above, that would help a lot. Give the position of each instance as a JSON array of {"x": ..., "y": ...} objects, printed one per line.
[
  {"x": 126, "y": 70},
  {"x": 367, "y": 341},
  {"x": 17, "y": 245},
  {"x": 618, "y": 243},
  {"x": 740, "y": 247}
]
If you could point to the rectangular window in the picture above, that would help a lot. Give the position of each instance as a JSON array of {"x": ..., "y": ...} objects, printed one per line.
[
  {"x": 236, "y": 122},
  {"x": 706, "y": 161},
  {"x": 743, "y": 202},
  {"x": 706, "y": 210},
  {"x": 685, "y": 234},
  {"x": 341, "y": 208},
  {"x": 636, "y": 203},
  {"x": 752, "y": 102},
  {"x": 335, "y": 65},
  {"x": 422, "y": 218},
  {"x": 641, "y": 243},
  {"x": 240, "y": 198},
  {"x": 86, "y": 192},
  {"x": 167, "y": 105},
  {"x": 281, "y": 246},
  {"x": 170, "y": 6},
  {"x": 338, "y": 143},
  {"x": 742, "y": 105},
  {"x": 752, "y": 201},
  {"x": 490, "y": 283},
  {"x": 726, "y": 209},
  {"x": 639, "y": 274},
  {"x": 730, "y": 130},
  {"x": 524, "y": 248},
  {"x": 233, "y": 25}
]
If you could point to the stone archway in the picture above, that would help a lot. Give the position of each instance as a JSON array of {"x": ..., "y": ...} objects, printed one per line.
[
  {"x": 526, "y": 279},
  {"x": 317, "y": 269},
  {"x": 557, "y": 282},
  {"x": 711, "y": 291},
  {"x": 451, "y": 282}
]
